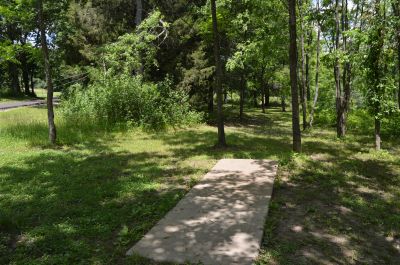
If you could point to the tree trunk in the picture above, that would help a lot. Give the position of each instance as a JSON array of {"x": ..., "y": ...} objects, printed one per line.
[
  {"x": 293, "y": 77},
  {"x": 396, "y": 10},
  {"x": 32, "y": 83},
  {"x": 340, "y": 121},
  {"x": 283, "y": 103},
  {"x": 316, "y": 71},
  {"x": 262, "y": 82},
  {"x": 241, "y": 102},
  {"x": 377, "y": 134},
  {"x": 14, "y": 80},
  {"x": 210, "y": 99},
  {"x": 303, "y": 93},
  {"x": 218, "y": 76},
  {"x": 25, "y": 74},
  {"x": 267, "y": 95},
  {"x": 49, "y": 81},
  {"x": 309, "y": 42},
  {"x": 139, "y": 12}
]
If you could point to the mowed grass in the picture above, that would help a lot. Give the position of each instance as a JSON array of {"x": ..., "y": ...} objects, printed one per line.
[
  {"x": 40, "y": 93},
  {"x": 88, "y": 200}
]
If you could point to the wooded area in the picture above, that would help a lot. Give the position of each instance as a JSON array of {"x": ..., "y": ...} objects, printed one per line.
[
  {"x": 344, "y": 56},
  {"x": 253, "y": 75}
]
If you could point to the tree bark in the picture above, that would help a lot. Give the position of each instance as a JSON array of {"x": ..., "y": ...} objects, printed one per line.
[
  {"x": 396, "y": 10},
  {"x": 25, "y": 74},
  {"x": 340, "y": 121},
  {"x": 316, "y": 71},
  {"x": 377, "y": 134},
  {"x": 267, "y": 95},
  {"x": 14, "y": 80},
  {"x": 210, "y": 99},
  {"x": 139, "y": 12},
  {"x": 283, "y": 103},
  {"x": 262, "y": 82},
  {"x": 309, "y": 41},
  {"x": 241, "y": 102},
  {"x": 218, "y": 76},
  {"x": 293, "y": 77},
  {"x": 303, "y": 92},
  {"x": 32, "y": 82},
  {"x": 49, "y": 81}
]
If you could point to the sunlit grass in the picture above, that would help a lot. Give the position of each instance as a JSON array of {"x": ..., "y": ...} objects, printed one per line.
[{"x": 97, "y": 192}]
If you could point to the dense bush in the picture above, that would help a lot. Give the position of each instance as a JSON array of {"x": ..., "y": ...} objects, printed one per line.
[{"x": 127, "y": 99}]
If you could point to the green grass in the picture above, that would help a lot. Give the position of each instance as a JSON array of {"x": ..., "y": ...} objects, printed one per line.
[
  {"x": 40, "y": 93},
  {"x": 88, "y": 200}
]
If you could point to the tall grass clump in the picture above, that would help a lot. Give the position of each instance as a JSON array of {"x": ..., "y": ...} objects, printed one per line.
[{"x": 128, "y": 100}]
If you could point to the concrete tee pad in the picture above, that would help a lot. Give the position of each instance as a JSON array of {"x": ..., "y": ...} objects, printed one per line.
[{"x": 219, "y": 221}]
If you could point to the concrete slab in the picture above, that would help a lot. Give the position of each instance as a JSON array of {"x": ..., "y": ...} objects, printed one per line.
[{"x": 220, "y": 221}]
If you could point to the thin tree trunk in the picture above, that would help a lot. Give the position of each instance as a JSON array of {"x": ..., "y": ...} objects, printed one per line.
[
  {"x": 32, "y": 83},
  {"x": 316, "y": 71},
  {"x": 262, "y": 89},
  {"x": 241, "y": 102},
  {"x": 49, "y": 81},
  {"x": 25, "y": 74},
  {"x": 396, "y": 10},
  {"x": 377, "y": 134},
  {"x": 303, "y": 92},
  {"x": 210, "y": 99},
  {"x": 283, "y": 103},
  {"x": 309, "y": 41},
  {"x": 218, "y": 76},
  {"x": 14, "y": 80},
  {"x": 293, "y": 77},
  {"x": 340, "y": 121},
  {"x": 139, "y": 12},
  {"x": 267, "y": 95}
]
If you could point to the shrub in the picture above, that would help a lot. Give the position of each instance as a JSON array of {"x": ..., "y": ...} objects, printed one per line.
[{"x": 126, "y": 99}]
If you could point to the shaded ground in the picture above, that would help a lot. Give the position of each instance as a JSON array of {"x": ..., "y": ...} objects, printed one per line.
[{"x": 90, "y": 199}]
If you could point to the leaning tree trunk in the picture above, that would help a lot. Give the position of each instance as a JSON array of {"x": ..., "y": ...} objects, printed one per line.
[
  {"x": 293, "y": 77},
  {"x": 218, "y": 76},
  {"x": 49, "y": 81},
  {"x": 316, "y": 72}
]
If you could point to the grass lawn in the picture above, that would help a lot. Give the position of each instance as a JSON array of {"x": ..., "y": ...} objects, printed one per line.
[
  {"x": 91, "y": 198},
  {"x": 40, "y": 93}
]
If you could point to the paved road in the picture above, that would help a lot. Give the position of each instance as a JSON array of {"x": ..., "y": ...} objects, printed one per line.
[
  {"x": 18, "y": 104},
  {"x": 220, "y": 221}
]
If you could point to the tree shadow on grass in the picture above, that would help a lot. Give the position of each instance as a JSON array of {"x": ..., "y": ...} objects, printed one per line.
[
  {"x": 337, "y": 209},
  {"x": 64, "y": 207}
]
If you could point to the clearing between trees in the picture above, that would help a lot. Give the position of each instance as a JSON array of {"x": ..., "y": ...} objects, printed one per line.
[{"x": 93, "y": 196}]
